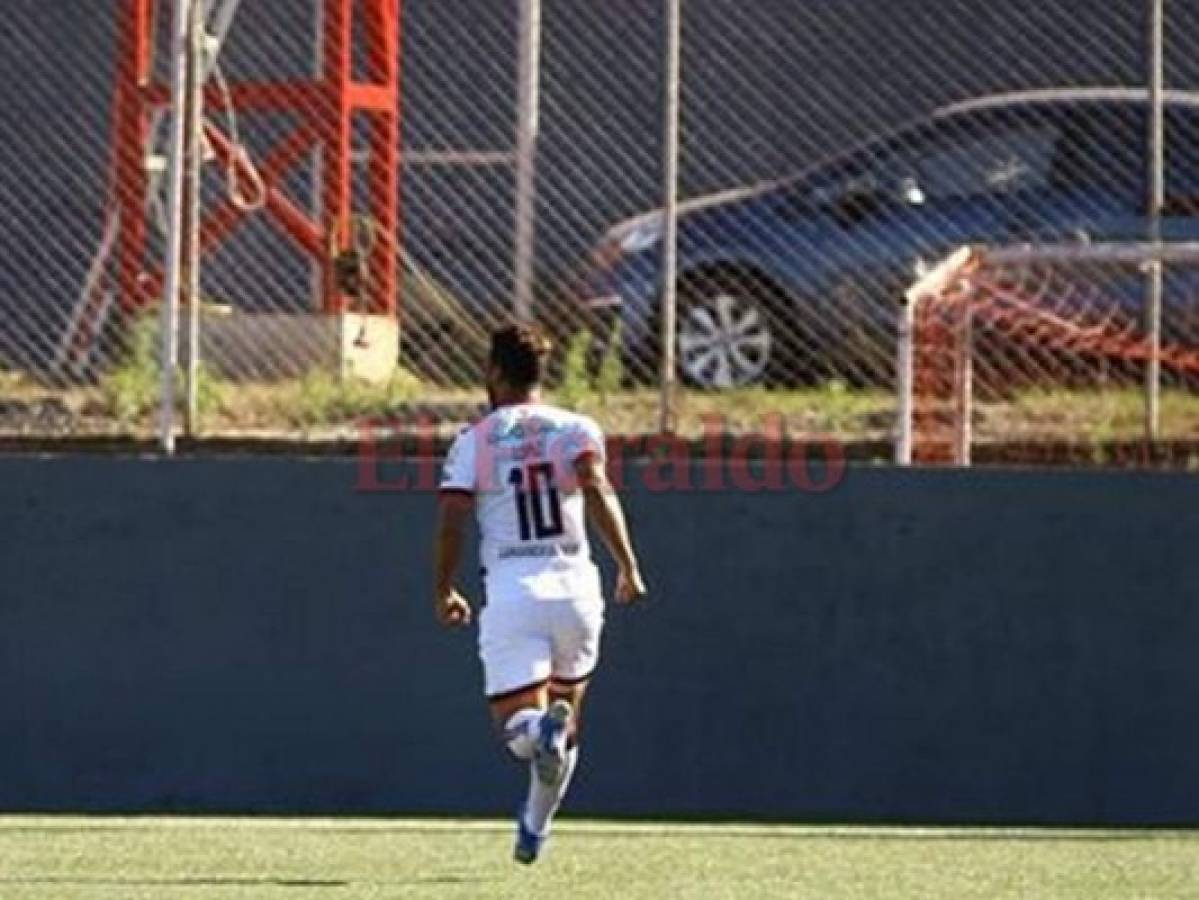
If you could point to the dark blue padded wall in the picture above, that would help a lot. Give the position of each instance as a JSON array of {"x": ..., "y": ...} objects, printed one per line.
[{"x": 912, "y": 646}]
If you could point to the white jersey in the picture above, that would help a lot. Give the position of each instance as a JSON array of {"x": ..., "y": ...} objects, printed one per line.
[{"x": 519, "y": 463}]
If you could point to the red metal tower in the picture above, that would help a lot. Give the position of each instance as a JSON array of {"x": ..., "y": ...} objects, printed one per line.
[{"x": 324, "y": 110}]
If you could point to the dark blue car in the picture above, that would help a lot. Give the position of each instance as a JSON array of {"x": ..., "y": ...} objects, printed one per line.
[{"x": 799, "y": 279}]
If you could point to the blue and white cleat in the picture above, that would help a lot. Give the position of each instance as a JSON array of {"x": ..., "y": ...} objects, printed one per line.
[
  {"x": 549, "y": 755},
  {"x": 528, "y": 843}
]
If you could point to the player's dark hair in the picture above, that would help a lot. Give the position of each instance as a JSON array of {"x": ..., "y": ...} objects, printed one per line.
[{"x": 520, "y": 352}]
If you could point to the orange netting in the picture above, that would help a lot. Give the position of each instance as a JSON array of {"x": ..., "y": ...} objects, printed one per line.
[{"x": 992, "y": 329}]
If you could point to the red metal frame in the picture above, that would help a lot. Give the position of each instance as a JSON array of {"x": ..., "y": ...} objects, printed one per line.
[
  {"x": 130, "y": 133},
  {"x": 325, "y": 109}
]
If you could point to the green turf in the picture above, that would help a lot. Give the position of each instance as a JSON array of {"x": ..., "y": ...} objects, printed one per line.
[{"x": 66, "y": 858}]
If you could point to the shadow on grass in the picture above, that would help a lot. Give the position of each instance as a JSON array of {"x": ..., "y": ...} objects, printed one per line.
[{"x": 229, "y": 881}]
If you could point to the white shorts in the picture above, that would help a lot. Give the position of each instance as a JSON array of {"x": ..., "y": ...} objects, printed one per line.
[{"x": 526, "y": 642}]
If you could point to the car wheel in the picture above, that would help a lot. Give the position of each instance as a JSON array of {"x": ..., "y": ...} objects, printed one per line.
[{"x": 725, "y": 336}]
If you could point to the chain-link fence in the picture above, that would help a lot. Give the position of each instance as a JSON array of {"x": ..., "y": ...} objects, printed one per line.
[{"x": 381, "y": 183}]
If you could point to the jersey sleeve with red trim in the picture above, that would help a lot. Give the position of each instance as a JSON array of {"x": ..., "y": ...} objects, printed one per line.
[{"x": 459, "y": 472}]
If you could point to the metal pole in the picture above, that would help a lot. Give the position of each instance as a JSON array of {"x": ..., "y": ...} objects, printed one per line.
[
  {"x": 317, "y": 206},
  {"x": 195, "y": 159},
  {"x": 527, "y": 116},
  {"x": 964, "y": 385},
  {"x": 670, "y": 211},
  {"x": 1157, "y": 202},
  {"x": 904, "y": 404},
  {"x": 170, "y": 299}
]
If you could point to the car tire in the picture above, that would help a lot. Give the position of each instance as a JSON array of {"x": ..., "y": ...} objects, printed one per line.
[{"x": 727, "y": 332}]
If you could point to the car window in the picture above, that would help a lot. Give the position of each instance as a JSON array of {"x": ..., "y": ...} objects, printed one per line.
[
  {"x": 956, "y": 162},
  {"x": 999, "y": 162},
  {"x": 838, "y": 186},
  {"x": 874, "y": 170},
  {"x": 1096, "y": 149}
]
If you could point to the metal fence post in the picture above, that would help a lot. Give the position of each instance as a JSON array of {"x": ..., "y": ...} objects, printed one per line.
[
  {"x": 1157, "y": 202},
  {"x": 963, "y": 368},
  {"x": 174, "y": 242},
  {"x": 527, "y": 115},
  {"x": 670, "y": 211},
  {"x": 904, "y": 410},
  {"x": 195, "y": 159}
]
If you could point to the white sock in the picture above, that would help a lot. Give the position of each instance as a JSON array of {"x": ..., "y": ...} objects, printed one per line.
[
  {"x": 544, "y": 801},
  {"x": 520, "y": 732}
]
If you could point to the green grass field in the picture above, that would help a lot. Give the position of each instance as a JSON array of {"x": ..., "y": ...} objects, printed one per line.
[{"x": 62, "y": 858}]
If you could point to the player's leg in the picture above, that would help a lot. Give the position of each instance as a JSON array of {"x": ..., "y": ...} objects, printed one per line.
[
  {"x": 576, "y": 654},
  {"x": 556, "y": 756},
  {"x": 573, "y": 692},
  {"x": 516, "y": 671},
  {"x": 516, "y": 716},
  {"x": 521, "y": 718},
  {"x": 516, "y": 649}
]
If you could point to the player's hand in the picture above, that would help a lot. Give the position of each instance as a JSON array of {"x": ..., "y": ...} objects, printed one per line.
[
  {"x": 452, "y": 610},
  {"x": 630, "y": 588}
]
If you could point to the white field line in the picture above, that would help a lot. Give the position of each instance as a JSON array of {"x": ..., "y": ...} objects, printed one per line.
[{"x": 615, "y": 828}]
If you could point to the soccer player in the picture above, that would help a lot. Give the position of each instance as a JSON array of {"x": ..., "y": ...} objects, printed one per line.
[{"x": 531, "y": 473}]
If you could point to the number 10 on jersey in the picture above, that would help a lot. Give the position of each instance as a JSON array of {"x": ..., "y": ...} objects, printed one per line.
[{"x": 538, "y": 507}]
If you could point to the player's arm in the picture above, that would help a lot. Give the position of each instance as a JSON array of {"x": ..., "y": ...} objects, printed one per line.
[
  {"x": 607, "y": 517},
  {"x": 453, "y": 509},
  {"x": 454, "y": 504}
]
